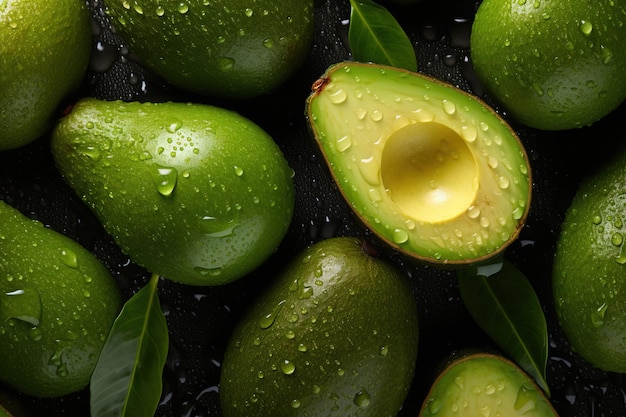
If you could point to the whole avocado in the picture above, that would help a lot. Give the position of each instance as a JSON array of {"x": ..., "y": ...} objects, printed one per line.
[
  {"x": 336, "y": 334},
  {"x": 219, "y": 47},
  {"x": 57, "y": 305},
  {"x": 589, "y": 275},
  {"x": 195, "y": 193},
  {"x": 44, "y": 54},
  {"x": 552, "y": 64}
]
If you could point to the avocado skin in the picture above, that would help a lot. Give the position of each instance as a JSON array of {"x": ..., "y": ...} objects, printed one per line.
[
  {"x": 222, "y": 48},
  {"x": 35, "y": 258},
  {"x": 479, "y": 381},
  {"x": 346, "y": 321},
  {"x": 589, "y": 273},
  {"x": 544, "y": 66},
  {"x": 43, "y": 59},
  {"x": 195, "y": 193}
]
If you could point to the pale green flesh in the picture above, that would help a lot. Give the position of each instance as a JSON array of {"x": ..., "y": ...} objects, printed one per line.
[
  {"x": 427, "y": 167},
  {"x": 485, "y": 385}
]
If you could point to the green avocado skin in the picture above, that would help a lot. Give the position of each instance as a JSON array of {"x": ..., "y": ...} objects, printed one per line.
[
  {"x": 195, "y": 193},
  {"x": 335, "y": 334},
  {"x": 57, "y": 305},
  {"x": 222, "y": 48},
  {"x": 589, "y": 276},
  {"x": 44, "y": 54}
]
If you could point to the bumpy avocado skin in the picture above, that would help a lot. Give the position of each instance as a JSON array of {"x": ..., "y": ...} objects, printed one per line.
[
  {"x": 336, "y": 334},
  {"x": 589, "y": 275},
  {"x": 482, "y": 383},
  {"x": 195, "y": 193},
  {"x": 222, "y": 48},
  {"x": 57, "y": 305},
  {"x": 431, "y": 170},
  {"x": 44, "y": 54}
]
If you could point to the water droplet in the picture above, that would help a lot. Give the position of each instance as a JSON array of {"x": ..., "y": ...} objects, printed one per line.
[
  {"x": 597, "y": 316},
  {"x": 225, "y": 63},
  {"x": 214, "y": 227},
  {"x": 268, "y": 43},
  {"x": 268, "y": 320},
  {"x": 344, "y": 143},
  {"x": 384, "y": 350},
  {"x": 449, "y": 107},
  {"x": 287, "y": 367},
  {"x": 183, "y": 8},
  {"x": 617, "y": 239},
  {"x": 160, "y": 11},
  {"x": 249, "y": 12},
  {"x": 238, "y": 171},
  {"x": 174, "y": 126},
  {"x": 400, "y": 236},
  {"x": 69, "y": 258},
  {"x": 165, "y": 179},
  {"x": 295, "y": 404},
  {"x": 473, "y": 212},
  {"x": 207, "y": 272},
  {"x": 586, "y": 27},
  {"x": 337, "y": 97},
  {"x": 362, "y": 399},
  {"x": 525, "y": 401}
]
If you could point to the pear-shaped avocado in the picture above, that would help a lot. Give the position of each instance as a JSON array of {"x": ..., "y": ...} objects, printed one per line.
[
  {"x": 335, "y": 335},
  {"x": 195, "y": 193},
  {"x": 226, "y": 48},
  {"x": 484, "y": 384},
  {"x": 430, "y": 169},
  {"x": 44, "y": 54},
  {"x": 57, "y": 305},
  {"x": 589, "y": 274}
]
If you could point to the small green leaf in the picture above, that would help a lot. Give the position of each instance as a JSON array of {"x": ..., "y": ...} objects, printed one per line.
[
  {"x": 127, "y": 380},
  {"x": 376, "y": 36},
  {"x": 504, "y": 304}
]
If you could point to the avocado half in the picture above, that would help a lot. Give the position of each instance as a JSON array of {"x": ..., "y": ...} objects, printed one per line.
[{"x": 430, "y": 169}]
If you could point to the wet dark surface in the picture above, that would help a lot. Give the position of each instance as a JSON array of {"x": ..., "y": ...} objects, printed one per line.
[{"x": 200, "y": 319}]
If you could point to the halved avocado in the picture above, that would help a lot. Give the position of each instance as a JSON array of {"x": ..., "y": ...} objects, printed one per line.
[
  {"x": 485, "y": 384},
  {"x": 430, "y": 169}
]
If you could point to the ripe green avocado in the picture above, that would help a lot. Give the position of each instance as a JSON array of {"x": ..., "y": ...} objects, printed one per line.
[
  {"x": 589, "y": 274},
  {"x": 553, "y": 64},
  {"x": 431, "y": 170},
  {"x": 44, "y": 54},
  {"x": 194, "y": 193},
  {"x": 485, "y": 384},
  {"x": 57, "y": 305},
  {"x": 231, "y": 49},
  {"x": 335, "y": 335}
]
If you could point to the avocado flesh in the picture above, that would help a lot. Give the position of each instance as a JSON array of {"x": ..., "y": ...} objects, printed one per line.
[
  {"x": 484, "y": 384},
  {"x": 430, "y": 169}
]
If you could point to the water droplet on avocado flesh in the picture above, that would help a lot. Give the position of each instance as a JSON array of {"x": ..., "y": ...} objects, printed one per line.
[
  {"x": 483, "y": 384},
  {"x": 436, "y": 158}
]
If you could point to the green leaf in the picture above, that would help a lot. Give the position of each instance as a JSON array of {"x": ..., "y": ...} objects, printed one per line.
[
  {"x": 376, "y": 36},
  {"x": 504, "y": 304},
  {"x": 127, "y": 380}
]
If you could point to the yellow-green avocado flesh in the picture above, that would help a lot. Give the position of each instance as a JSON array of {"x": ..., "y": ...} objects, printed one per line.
[{"x": 430, "y": 169}]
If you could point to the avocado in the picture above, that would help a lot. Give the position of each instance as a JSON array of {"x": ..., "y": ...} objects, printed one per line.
[
  {"x": 554, "y": 65},
  {"x": 485, "y": 384},
  {"x": 589, "y": 271},
  {"x": 335, "y": 334},
  {"x": 44, "y": 54},
  {"x": 428, "y": 168},
  {"x": 57, "y": 305},
  {"x": 194, "y": 193},
  {"x": 221, "y": 48}
]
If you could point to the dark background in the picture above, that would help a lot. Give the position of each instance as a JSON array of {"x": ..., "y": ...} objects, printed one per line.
[{"x": 200, "y": 319}]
